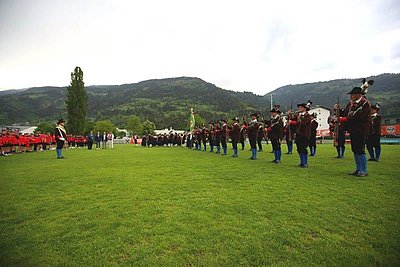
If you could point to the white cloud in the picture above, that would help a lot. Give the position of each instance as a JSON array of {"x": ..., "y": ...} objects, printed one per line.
[{"x": 255, "y": 45}]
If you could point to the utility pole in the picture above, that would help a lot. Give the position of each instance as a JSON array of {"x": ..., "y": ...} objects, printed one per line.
[{"x": 271, "y": 100}]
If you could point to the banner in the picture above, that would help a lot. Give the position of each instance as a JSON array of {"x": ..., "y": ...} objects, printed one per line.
[
  {"x": 323, "y": 133},
  {"x": 390, "y": 129}
]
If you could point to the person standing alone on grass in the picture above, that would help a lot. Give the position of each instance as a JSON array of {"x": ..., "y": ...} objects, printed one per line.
[
  {"x": 357, "y": 121},
  {"x": 61, "y": 135}
]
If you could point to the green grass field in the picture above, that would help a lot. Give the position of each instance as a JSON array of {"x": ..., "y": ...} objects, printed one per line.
[{"x": 176, "y": 207}]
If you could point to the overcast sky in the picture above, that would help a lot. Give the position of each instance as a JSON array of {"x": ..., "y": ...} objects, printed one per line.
[{"x": 253, "y": 46}]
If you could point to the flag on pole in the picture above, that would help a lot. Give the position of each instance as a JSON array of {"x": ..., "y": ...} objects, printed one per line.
[{"x": 191, "y": 120}]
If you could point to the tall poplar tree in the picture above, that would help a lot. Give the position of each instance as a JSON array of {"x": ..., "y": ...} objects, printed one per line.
[{"x": 76, "y": 103}]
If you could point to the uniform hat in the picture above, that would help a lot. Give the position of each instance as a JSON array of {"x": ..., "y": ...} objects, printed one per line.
[
  {"x": 277, "y": 108},
  {"x": 356, "y": 90},
  {"x": 224, "y": 120},
  {"x": 236, "y": 119},
  {"x": 376, "y": 106},
  {"x": 60, "y": 120},
  {"x": 256, "y": 114},
  {"x": 306, "y": 105}
]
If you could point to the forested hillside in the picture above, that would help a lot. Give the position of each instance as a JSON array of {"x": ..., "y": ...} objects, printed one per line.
[{"x": 167, "y": 102}]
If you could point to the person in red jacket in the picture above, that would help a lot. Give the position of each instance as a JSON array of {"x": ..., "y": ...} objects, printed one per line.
[
  {"x": 14, "y": 142},
  {"x": 357, "y": 122},
  {"x": 2, "y": 144}
]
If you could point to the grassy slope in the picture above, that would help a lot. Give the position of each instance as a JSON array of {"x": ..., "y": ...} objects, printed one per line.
[{"x": 172, "y": 206}]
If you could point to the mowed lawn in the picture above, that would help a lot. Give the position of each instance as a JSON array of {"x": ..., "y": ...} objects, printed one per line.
[{"x": 176, "y": 207}]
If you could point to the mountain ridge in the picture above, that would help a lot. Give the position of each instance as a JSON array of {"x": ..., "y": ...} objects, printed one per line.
[{"x": 167, "y": 101}]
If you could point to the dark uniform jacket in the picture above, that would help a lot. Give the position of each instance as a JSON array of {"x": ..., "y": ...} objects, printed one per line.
[
  {"x": 313, "y": 130},
  {"x": 252, "y": 131},
  {"x": 303, "y": 125},
  {"x": 60, "y": 132},
  {"x": 358, "y": 118},
  {"x": 235, "y": 134},
  {"x": 375, "y": 127},
  {"x": 276, "y": 128}
]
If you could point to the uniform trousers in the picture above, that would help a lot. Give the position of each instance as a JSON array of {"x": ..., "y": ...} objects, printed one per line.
[
  {"x": 358, "y": 143},
  {"x": 301, "y": 144},
  {"x": 276, "y": 144}
]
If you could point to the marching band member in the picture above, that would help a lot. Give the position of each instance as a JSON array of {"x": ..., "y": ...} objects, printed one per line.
[
  {"x": 235, "y": 135},
  {"x": 224, "y": 135},
  {"x": 275, "y": 134},
  {"x": 357, "y": 124},
  {"x": 303, "y": 123},
  {"x": 374, "y": 135},
  {"x": 242, "y": 134},
  {"x": 218, "y": 137},
  {"x": 313, "y": 135},
  {"x": 211, "y": 138},
  {"x": 61, "y": 135},
  {"x": 253, "y": 135}
]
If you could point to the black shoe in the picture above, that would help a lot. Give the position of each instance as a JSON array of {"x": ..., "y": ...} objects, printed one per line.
[
  {"x": 371, "y": 159},
  {"x": 303, "y": 165},
  {"x": 361, "y": 174},
  {"x": 273, "y": 161},
  {"x": 277, "y": 161},
  {"x": 353, "y": 173}
]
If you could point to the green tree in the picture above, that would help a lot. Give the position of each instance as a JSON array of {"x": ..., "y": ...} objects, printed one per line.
[
  {"x": 105, "y": 126},
  {"x": 199, "y": 120},
  {"x": 89, "y": 126},
  {"x": 76, "y": 103},
  {"x": 133, "y": 125},
  {"x": 45, "y": 127},
  {"x": 148, "y": 127}
]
